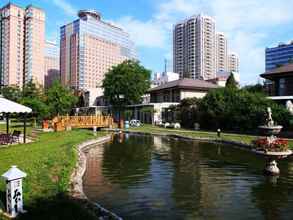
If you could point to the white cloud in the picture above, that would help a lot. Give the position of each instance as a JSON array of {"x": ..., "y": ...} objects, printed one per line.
[
  {"x": 66, "y": 7},
  {"x": 247, "y": 23},
  {"x": 145, "y": 34}
]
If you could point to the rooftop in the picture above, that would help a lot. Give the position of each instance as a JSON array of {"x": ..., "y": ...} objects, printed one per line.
[
  {"x": 192, "y": 84},
  {"x": 92, "y": 13},
  {"x": 280, "y": 71}
]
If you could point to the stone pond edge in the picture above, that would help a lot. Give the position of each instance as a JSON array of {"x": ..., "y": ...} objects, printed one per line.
[{"x": 76, "y": 178}]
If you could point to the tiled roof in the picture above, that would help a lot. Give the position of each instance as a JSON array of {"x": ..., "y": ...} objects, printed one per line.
[
  {"x": 193, "y": 84},
  {"x": 283, "y": 69}
]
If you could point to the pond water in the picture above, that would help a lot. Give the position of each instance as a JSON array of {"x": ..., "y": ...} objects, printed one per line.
[{"x": 151, "y": 177}]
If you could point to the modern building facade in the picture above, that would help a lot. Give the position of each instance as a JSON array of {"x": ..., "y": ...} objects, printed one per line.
[
  {"x": 280, "y": 55},
  {"x": 89, "y": 47},
  {"x": 52, "y": 64},
  {"x": 221, "y": 52},
  {"x": 233, "y": 63},
  {"x": 22, "y": 45},
  {"x": 194, "y": 48}
]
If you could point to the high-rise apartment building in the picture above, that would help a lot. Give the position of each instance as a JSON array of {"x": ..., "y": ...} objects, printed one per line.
[
  {"x": 12, "y": 45},
  {"x": 22, "y": 32},
  {"x": 34, "y": 45},
  {"x": 233, "y": 63},
  {"x": 52, "y": 63},
  {"x": 280, "y": 55},
  {"x": 194, "y": 48},
  {"x": 89, "y": 47},
  {"x": 199, "y": 52},
  {"x": 221, "y": 53}
]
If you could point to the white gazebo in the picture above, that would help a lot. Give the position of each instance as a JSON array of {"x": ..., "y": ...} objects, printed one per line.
[{"x": 8, "y": 107}]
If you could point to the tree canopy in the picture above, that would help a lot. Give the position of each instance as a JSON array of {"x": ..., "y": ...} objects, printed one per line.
[
  {"x": 57, "y": 100},
  {"x": 254, "y": 88},
  {"x": 60, "y": 99},
  {"x": 238, "y": 110},
  {"x": 231, "y": 82},
  {"x": 126, "y": 83},
  {"x": 12, "y": 93}
]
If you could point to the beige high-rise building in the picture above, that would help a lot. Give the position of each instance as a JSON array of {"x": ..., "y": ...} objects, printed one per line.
[
  {"x": 194, "y": 48},
  {"x": 34, "y": 45},
  {"x": 233, "y": 60},
  {"x": 12, "y": 45},
  {"x": 221, "y": 53},
  {"x": 22, "y": 45},
  {"x": 89, "y": 47}
]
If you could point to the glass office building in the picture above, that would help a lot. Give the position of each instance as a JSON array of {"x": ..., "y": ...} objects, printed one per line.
[
  {"x": 89, "y": 47},
  {"x": 280, "y": 55}
]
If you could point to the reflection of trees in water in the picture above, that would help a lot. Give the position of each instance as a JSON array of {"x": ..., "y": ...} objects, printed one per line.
[
  {"x": 129, "y": 161},
  {"x": 270, "y": 197},
  {"x": 274, "y": 194},
  {"x": 186, "y": 178},
  {"x": 226, "y": 155}
]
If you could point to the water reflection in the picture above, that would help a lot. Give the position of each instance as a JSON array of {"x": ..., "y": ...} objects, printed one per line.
[{"x": 145, "y": 177}]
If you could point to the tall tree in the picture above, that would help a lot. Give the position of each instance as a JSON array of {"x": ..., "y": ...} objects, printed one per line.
[
  {"x": 33, "y": 96},
  {"x": 231, "y": 82},
  {"x": 60, "y": 99},
  {"x": 11, "y": 92},
  {"x": 125, "y": 84}
]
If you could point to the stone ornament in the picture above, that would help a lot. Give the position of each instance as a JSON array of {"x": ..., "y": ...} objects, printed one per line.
[{"x": 14, "y": 196}]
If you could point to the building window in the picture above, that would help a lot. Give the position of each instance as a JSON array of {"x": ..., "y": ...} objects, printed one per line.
[{"x": 282, "y": 87}]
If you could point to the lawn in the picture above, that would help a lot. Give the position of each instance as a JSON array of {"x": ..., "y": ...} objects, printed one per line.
[
  {"x": 48, "y": 163},
  {"x": 16, "y": 125},
  {"x": 246, "y": 139}
]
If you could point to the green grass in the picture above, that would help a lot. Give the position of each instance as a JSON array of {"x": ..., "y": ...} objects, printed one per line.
[
  {"x": 16, "y": 125},
  {"x": 246, "y": 139},
  {"x": 48, "y": 163}
]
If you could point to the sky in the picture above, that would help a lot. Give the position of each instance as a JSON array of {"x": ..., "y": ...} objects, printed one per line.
[{"x": 250, "y": 25}]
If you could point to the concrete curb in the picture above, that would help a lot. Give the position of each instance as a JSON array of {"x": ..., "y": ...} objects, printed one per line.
[
  {"x": 76, "y": 185},
  {"x": 76, "y": 179}
]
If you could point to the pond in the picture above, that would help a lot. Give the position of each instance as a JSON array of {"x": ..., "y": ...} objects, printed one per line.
[{"x": 152, "y": 177}]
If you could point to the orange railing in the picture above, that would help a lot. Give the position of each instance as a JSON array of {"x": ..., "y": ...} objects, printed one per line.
[{"x": 60, "y": 123}]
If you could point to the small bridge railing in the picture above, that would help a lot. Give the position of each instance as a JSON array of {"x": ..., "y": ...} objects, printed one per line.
[{"x": 62, "y": 122}]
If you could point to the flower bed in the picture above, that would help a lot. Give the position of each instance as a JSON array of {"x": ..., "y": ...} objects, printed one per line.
[{"x": 271, "y": 144}]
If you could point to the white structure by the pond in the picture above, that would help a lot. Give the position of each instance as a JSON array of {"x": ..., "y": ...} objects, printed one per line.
[
  {"x": 271, "y": 129},
  {"x": 14, "y": 200}
]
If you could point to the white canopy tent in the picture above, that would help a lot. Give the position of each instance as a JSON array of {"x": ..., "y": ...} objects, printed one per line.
[{"x": 9, "y": 107}]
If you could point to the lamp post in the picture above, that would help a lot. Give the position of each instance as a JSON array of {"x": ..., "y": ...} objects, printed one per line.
[
  {"x": 121, "y": 98},
  {"x": 14, "y": 200}
]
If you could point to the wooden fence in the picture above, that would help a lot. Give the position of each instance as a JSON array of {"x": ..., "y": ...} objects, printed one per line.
[{"x": 61, "y": 123}]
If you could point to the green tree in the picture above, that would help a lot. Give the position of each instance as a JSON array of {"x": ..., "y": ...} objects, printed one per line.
[
  {"x": 231, "y": 82},
  {"x": 187, "y": 111},
  {"x": 60, "y": 99},
  {"x": 39, "y": 107},
  {"x": 33, "y": 96},
  {"x": 259, "y": 88},
  {"x": 241, "y": 110},
  {"x": 12, "y": 93},
  {"x": 31, "y": 90},
  {"x": 125, "y": 83}
]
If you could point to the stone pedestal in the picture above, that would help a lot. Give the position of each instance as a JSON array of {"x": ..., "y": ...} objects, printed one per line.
[{"x": 272, "y": 168}]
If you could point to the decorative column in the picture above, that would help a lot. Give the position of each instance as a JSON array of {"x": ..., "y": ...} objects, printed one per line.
[{"x": 14, "y": 200}]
